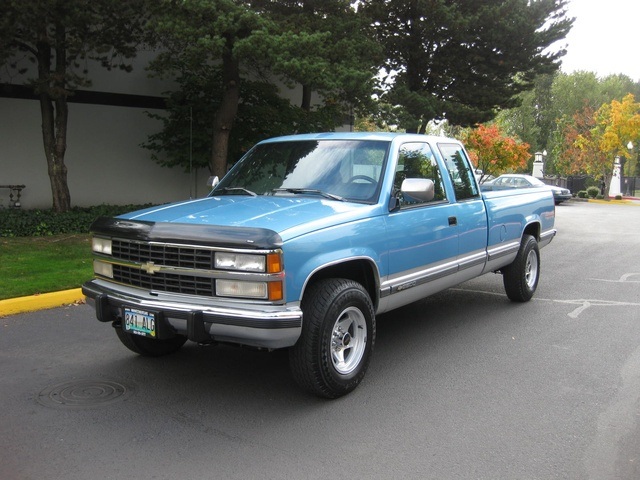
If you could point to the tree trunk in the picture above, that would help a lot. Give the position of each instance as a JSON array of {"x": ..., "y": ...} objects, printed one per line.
[
  {"x": 54, "y": 110},
  {"x": 226, "y": 114},
  {"x": 54, "y": 133},
  {"x": 306, "y": 98}
]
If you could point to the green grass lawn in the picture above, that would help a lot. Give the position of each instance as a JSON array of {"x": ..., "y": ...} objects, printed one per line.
[{"x": 32, "y": 265}]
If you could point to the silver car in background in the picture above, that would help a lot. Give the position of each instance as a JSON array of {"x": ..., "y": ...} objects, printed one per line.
[{"x": 515, "y": 180}]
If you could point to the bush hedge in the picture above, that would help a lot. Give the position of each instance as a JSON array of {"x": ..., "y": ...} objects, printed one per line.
[
  {"x": 16, "y": 222},
  {"x": 593, "y": 192}
]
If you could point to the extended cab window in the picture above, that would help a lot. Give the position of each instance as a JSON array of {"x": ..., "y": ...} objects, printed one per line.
[
  {"x": 460, "y": 170},
  {"x": 416, "y": 160}
]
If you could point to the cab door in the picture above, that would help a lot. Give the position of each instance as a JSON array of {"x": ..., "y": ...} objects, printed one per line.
[
  {"x": 470, "y": 211},
  {"x": 423, "y": 234}
]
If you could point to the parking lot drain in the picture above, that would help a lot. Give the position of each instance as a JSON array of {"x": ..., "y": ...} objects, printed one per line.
[{"x": 84, "y": 393}]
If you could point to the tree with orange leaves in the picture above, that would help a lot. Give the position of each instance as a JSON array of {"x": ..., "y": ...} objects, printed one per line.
[
  {"x": 493, "y": 151},
  {"x": 578, "y": 151},
  {"x": 592, "y": 140},
  {"x": 617, "y": 124}
]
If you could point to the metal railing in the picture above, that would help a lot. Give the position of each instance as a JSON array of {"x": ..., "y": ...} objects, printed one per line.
[{"x": 15, "y": 192}]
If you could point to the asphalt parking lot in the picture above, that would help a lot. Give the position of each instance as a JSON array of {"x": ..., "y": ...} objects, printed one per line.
[{"x": 463, "y": 385}]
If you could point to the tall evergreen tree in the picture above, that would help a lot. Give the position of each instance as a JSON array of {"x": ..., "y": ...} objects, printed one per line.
[
  {"x": 198, "y": 35},
  {"x": 325, "y": 46},
  {"x": 223, "y": 50},
  {"x": 462, "y": 60}
]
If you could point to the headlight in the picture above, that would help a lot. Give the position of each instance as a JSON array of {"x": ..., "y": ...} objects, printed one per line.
[
  {"x": 241, "y": 261},
  {"x": 103, "y": 268},
  {"x": 234, "y": 288},
  {"x": 101, "y": 245},
  {"x": 272, "y": 291}
]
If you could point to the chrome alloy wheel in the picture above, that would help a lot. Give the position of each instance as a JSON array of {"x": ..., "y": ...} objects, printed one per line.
[
  {"x": 531, "y": 269},
  {"x": 348, "y": 340}
]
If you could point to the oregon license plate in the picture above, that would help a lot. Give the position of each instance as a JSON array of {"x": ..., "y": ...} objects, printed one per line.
[{"x": 140, "y": 322}]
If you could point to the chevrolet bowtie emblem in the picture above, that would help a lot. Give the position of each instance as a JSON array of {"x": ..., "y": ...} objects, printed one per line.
[{"x": 150, "y": 268}]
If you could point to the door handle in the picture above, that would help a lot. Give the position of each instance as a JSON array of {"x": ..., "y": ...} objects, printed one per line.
[{"x": 453, "y": 221}]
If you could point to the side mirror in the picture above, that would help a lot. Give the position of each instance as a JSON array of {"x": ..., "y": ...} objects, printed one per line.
[
  {"x": 420, "y": 189},
  {"x": 213, "y": 181}
]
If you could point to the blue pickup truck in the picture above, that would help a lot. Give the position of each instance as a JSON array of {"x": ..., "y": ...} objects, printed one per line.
[{"x": 304, "y": 241}]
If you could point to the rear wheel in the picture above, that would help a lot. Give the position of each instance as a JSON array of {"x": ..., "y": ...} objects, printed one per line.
[
  {"x": 148, "y": 347},
  {"x": 333, "y": 352},
  {"x": 521, "y": 277}
]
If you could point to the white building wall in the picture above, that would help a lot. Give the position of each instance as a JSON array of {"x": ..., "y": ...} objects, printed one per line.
[{"x": 106, "y": 164}]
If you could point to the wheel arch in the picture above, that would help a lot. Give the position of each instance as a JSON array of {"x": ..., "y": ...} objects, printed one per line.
[
  {"x": 532, "y": 229},
  {"x": 362, "y": 270}
]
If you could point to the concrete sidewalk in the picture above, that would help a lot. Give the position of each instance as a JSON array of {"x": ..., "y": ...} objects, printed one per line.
[{"x": 40, "y": 302}]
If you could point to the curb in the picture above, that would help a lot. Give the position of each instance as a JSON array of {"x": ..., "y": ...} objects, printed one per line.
[
  {"x": 625, "y": 201},
  {"x": 40, "y": 302}
]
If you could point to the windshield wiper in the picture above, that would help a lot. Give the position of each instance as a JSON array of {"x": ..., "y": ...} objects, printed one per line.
[
  {"x": 239, "y": 189},
  {"x": 312, "y": 191}
]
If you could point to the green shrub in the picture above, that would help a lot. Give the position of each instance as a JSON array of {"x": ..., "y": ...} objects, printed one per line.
[
  {"x": 17, "y": 222},
  {"x": 592, "y": 192},
  {"x": 618, "y": 197},
  {"x": 582, "y": 194},
  {"x": 600, "y": 196}
]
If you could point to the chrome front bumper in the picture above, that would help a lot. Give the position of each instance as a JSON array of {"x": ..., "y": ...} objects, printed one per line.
[{"x": 266, "y": 326}]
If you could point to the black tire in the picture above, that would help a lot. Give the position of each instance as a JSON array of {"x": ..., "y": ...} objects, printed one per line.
[
  {"x": 333, "y": 352},
  {"x": 521, "y": 277},
  {"x": 148, "y": 347}
]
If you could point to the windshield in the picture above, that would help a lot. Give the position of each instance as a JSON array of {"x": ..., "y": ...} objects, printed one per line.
[
  {"x": 536, "y": 182},
  {"x": 336, "y": 169}
]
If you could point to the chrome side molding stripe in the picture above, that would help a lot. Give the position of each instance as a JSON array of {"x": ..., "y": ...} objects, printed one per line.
[
  {"x": 502, "y": 250},
  {"x": 430, "y": 274}
]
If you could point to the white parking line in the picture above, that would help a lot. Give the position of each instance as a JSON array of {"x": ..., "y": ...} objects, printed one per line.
[
  {"x": 582, "y": 302},
  {"x": 623, "y": 279}
]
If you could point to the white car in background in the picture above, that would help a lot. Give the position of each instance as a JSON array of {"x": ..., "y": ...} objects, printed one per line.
[{"x": 515, "y": 180}]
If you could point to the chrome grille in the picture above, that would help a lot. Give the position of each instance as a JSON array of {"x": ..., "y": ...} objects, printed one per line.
[
  {"x": 179, "y": 256},
  {"x": 185, "y": 284},
  {"x": 169, "y": 255}
]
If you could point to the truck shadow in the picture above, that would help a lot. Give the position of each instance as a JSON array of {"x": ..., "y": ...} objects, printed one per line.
[{"x": 229, "y": 374}]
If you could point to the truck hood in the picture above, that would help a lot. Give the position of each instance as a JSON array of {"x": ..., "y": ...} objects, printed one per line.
[{"x": 288, "y": 216}]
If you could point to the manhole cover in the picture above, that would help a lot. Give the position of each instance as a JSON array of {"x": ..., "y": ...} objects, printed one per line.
[{"x": 84, "y": 393}]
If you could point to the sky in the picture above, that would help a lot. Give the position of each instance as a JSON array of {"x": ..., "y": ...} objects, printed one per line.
[{"x": 605, "y": 38}]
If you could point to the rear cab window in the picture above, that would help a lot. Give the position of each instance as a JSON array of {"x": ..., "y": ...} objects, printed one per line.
[{"x": 460, "y": 171}]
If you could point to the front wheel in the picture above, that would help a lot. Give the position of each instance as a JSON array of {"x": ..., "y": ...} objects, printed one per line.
[
  {"x": 333, "y": 352},
  {"x": 521, "y": 277}
]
